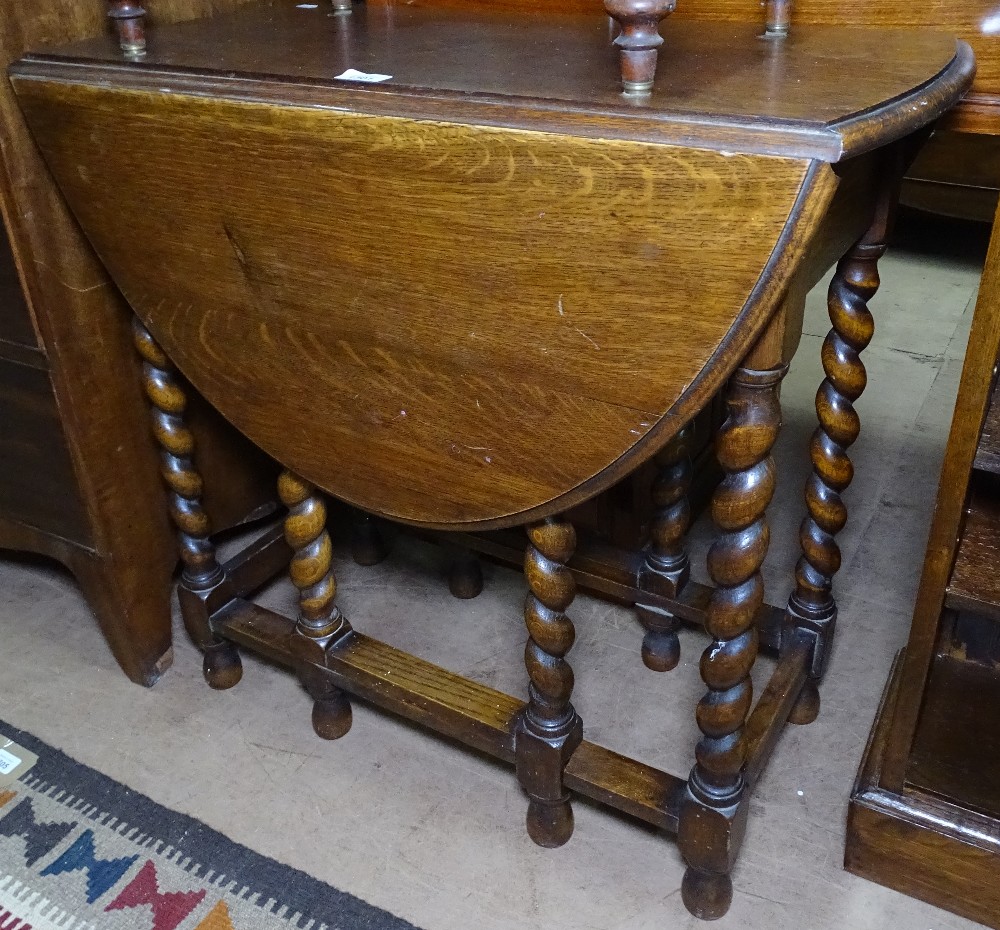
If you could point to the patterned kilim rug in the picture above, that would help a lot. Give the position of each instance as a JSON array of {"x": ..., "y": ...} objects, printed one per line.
[{"x": 79, "y": 851}]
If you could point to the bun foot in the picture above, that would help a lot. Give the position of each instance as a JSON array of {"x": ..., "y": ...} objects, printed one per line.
[
  {"x": 661, "y": 651},
  {"x": 222, "y": 666},
  {"x": 332, "y": 716},
  {"x": 465, "y": 579},
  {"x": 806, "y": 708},
  {"x": 550, "y": 824},
  {"x": 707, "y": 895},
  {"x": 368, "y": 545}
]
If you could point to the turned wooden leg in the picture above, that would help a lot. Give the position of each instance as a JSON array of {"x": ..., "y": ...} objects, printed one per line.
[
  {"x": 639, "y": 40},
  {"x": 368, "y": 545},
  {"x": 202, "y": 575},
  {"x": 811, "y": 606},
  {"x": 667, "y": 566},
  {"x": 465, "y": 575},
  {"x": 713, "y": 814},
  {"x": 130, "y": 23},
  {"x": 777, "y": 18},
  {"x": 549, "y": 729},
  {"x": 320, "y": 622}
]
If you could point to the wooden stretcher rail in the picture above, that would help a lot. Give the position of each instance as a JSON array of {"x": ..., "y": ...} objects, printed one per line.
[
  {"x": 614, "y": 573},
  {"x": 775, "y": 703},
  {"x": 258, "y": 563},
  {"x": 484, "y": 718},
  {"x": 457, "y": 707},
  {"x": 599, "y": 568}
]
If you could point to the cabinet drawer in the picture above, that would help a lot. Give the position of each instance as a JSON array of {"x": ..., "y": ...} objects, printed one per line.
[
  {"x": 15, "y": 320},
  {"x": 37, "y": 485}
]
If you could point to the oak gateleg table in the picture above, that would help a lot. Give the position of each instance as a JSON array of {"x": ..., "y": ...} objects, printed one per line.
[{"x": 479, "y": 292}]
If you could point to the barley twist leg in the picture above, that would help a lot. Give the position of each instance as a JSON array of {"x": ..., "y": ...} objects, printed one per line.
[
  {"x": 202, "y": 573},
  {"x": 549, "y": 729},
  {"x": 714, "y": 813},
  {"x": 320, "y": 622},
  {"x": 812, "y": 606},
  {"x": 667, "y": 566}
]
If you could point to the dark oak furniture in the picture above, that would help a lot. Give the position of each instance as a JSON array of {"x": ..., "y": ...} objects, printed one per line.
[
  {"x": 925, "y": 812},
  {"x": 480, "y": 293},
  {"x": 77, "y": 470},
  {"x": 957, "y": 173}
]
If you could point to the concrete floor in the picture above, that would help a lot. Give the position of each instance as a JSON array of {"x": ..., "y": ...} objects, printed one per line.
[{"x": 435, "y": 833}]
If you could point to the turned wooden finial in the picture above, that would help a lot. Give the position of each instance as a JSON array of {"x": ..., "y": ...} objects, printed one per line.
[
  {"x": 130, "y": 21},
  {"x": 777, "y": 18},
  {"x": 639, "y": 39}
]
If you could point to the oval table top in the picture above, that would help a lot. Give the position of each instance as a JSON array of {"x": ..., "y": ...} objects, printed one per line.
[{"x": 455, "y": 324}]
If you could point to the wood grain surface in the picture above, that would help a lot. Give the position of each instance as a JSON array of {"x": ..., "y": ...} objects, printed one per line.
[
  {"x": 479, "y": 320},
  {"x": 719, "y": 85},
  {"x": 956, "y": 755},
  {"x": 970, "y": 408},
  {"x": 114, "y": 533},
  {"x": 988, "y": 450},
  {"x": 975, "y": 580},
  {"x": 919, "y": 843},
  {"x": 38, "y": 488},
  {"x": 975, "y": 21}
]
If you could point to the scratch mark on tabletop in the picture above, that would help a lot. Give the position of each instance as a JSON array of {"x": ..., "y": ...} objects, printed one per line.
[
  {"x": 66, "y": 284},
  {"x": 591, "y": 341}
]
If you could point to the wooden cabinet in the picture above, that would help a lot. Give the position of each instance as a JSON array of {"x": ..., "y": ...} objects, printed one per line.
[
  {"x": 78, "y": 470},
  {"x": 925, "y": 813},
  {"x": 38, "y": 488}
]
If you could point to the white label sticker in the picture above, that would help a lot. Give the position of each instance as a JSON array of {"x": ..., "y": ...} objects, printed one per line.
[
  {"x": 351, "y": 75},
  {"x": 8, "y": 762}
]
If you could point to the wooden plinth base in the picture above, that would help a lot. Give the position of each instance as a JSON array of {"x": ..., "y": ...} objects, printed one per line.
[{"x": 916, "y": 842}]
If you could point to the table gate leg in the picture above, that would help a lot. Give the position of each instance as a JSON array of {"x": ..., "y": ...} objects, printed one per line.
[
  {"x": 465, "y": 575},
  {"x": 667, "y": 566},
  {"x": 320, "y": 622},
  {"x": 368, "y": 545},
  {"x": 202, "y": 575},
  {"x": 713, "y": 814},
  {"x": 549, "y": 729},
  {"x": 812, "y": 606}
]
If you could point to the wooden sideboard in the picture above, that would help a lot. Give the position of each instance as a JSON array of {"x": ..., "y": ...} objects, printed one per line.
[
  {"x": 925, "y": 812},
  {"x": 77, "y": 461}
]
